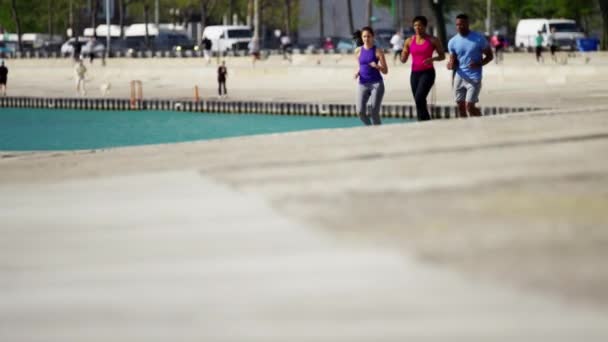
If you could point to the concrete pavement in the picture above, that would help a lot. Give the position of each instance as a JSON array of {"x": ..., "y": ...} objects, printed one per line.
[{"x": 490, "y": 229}]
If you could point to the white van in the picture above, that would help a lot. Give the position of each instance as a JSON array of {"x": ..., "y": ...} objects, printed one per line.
[
  {"x": 228, "y": 38},
  {"x": 566, "y": 32}
]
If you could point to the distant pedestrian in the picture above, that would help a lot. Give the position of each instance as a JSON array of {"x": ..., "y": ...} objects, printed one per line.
[
  {"x": 76, "y": 49},
  {"x": 254, "y": 50},
  {"x": 469, "y": 52},
  {"x": 222, "y": 75},
  {"x": 357, "y": 40},
  {"x": 286, "y": 47},
  {"x": 80, "y": 70},
  {"x": 498, "y": 43},
  {"x": 397, "y": 42},
  {"x": 539, "y": 47},
  {"x": 422, "y": 78},
  {"x": 371, "y": 62},
  {"x": 552, "y": 43},
  {"x": 3, "y": 78},
  {"x": 207, "y": 44},
  {"x": 90, "y": 47},
  {"x": 328, "y": 45}
]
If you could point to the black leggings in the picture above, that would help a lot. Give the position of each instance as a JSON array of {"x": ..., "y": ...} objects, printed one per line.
[
  {"x": 422, "y": 82},
  {"x": 221, "y": 84}
]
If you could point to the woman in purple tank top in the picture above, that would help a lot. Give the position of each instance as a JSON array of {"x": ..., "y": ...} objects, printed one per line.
[
  {"x": 371, "y": 63},
  {"x": 422, "y": 46}
]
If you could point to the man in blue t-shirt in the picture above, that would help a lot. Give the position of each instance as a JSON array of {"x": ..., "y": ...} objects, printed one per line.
[{"x": 469, "y": 52}]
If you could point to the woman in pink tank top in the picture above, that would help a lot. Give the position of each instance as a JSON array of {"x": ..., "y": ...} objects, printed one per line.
[{"x": 422, "y": 46}]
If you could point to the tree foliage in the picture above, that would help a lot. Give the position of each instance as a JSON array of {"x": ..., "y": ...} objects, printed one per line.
[{"x": 35, "y": 15}]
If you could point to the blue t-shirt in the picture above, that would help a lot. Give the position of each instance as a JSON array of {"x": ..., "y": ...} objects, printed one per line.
[{"x": 468, "y": 49}]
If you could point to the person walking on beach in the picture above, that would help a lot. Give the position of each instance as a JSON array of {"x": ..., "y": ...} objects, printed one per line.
[
  {"x": 76, "y": 49},
  {"x": 286, "y": 47},
  {"x": 539, "y": 47},
  {"x": 3, "y": 78},
  {"x": 552, "y": 43},
  {"x": 80, "y": 70},
  {"x": 422, "y": 78},
  {"x": 90, "y": 46},
  {"x": 222, "y": 74},
  {"x": 397, "y": 43},
  {"x": 469, "y": 52},
  {"x": 254, "y": 50},
  {"x": 498, "y": 43},
  {"x": 371, "y": 63},
  {"x": 207, "y": 44}
]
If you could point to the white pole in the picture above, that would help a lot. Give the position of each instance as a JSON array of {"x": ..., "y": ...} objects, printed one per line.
[{"x": 107, "y": 27}]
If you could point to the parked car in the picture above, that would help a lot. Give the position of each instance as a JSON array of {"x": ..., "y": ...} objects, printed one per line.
[
  {"x": 346, "y": 44},
  {"x": 6, "y": 48}
]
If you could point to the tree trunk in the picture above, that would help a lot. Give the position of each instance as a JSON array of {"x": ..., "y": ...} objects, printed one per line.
[
  {"x": 350, "y": 16},
  {"x": 203, "y": 8},
  {"x": 231, "y": 10},
  {"x": 256, "y": 19},
  {"x": 17, "y": 24},
  {"x": 604, "y": 11},
  {"x": 121, "y": 17},
  {"x": 76, "y": 20},
  {"x": 369, "y": 12},
  {"x": 321, "y": 19},
  {"x": 94, "y": 12},
  {"x": 50, "y": 9},
  {"x": 146, "y": 21},
  {"x": 437, "y": 6},
  {"x": 71, "y": 17},
  {"x": 287, "y": 14}
]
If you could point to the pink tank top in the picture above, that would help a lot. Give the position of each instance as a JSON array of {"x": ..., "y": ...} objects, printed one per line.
[{"x": 419, "y": 53}]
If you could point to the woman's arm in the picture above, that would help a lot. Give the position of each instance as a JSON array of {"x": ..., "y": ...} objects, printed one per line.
[
  {"x": 439, "y": 48},
  {"x": 440, "y": 52},
  {"x": 382, "y": 67},
  {"x": 405, "y": 53},
  {"x": 357, "y": 53}
]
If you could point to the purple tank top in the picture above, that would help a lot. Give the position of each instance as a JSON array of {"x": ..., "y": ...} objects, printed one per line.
[{"x": 367, "y": 74}]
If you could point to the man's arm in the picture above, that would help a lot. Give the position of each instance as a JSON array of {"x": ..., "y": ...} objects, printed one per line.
[
  {"x": 452, "y": 62},
  {"x": 488, "y": 55}
]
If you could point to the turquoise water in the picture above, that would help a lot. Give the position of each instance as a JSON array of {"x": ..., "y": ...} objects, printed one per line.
[{"x": 51, "y": 129}]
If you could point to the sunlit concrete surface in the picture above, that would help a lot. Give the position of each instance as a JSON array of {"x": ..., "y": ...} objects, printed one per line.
[{"x": 491, "y": 229}]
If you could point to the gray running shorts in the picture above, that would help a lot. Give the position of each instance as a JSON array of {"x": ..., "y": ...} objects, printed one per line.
[{"x": 466, "y": 89}]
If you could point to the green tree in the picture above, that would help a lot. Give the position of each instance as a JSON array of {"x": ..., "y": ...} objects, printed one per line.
[
  {"x": 604, "y": 13},
  {"x": 439, "y": 11},
  {"x": 17, "y": 22}
]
